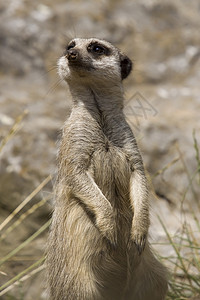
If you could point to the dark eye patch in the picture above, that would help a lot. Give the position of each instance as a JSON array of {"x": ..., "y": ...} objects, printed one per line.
[
  {"x": 98, "y": 49},
  {"x": 71, "y": 45}
]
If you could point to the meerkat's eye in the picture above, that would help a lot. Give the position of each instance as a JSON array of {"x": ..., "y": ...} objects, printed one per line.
[{"x": 97, "y": 49}]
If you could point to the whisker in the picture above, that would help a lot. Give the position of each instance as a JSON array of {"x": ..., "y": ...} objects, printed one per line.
[
  {"x": 50, "y": 69},
  {"x": 74, "y": 31},
  {"x": 53, "y": 87}
]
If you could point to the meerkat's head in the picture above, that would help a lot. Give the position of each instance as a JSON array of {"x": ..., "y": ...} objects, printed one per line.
[{"x": 91, "y": 60}]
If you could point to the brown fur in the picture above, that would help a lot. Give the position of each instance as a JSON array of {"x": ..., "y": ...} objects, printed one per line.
[{"x": 98, "y": 246}]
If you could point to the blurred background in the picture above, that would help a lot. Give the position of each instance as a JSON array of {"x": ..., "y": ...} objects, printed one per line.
[{"x": 162, "y": 106}]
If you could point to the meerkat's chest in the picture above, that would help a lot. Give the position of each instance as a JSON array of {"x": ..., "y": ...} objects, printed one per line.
[{"x": 111, "y": 169}]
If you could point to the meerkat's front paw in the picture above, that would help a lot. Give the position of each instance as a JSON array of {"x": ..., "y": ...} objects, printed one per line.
[
  {"x": 107, "y": 226},
  {"x": 140, "y": 241},
  {"x": 139, "y": 236}
]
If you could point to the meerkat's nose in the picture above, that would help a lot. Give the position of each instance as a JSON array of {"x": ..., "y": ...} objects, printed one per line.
[{"x": 72, "y": 54}]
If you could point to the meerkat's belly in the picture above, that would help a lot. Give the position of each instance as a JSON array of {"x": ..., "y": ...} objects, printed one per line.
[{"x": 111, "y": 172}]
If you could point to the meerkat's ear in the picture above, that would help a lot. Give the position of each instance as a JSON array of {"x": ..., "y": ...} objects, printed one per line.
[{"x": 126, "y": 66}]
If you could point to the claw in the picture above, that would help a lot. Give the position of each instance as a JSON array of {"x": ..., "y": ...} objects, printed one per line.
[
  {"x": 139, "y": 239},
  {"x": 140, "y": 242},
  {"x": 112, "y": 238},
  {"x": 108, "y": 229}
]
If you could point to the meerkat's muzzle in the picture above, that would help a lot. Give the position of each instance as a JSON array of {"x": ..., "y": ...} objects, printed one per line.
[{"x": 72, "y": 54}]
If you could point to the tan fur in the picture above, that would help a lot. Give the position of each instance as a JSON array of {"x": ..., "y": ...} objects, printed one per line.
[{"x": 98, "y": 246}]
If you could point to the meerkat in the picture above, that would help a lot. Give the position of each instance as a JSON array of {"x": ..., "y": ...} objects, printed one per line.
[{"x": 98, "y": 243}]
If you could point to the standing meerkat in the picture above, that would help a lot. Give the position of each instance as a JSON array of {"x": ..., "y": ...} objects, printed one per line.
[{"x": 98, "y": 247}]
